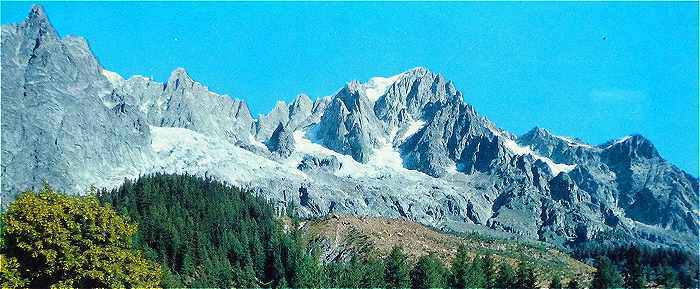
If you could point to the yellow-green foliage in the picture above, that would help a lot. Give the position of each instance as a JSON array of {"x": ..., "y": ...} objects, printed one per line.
[{"x": 56, "y": 240}]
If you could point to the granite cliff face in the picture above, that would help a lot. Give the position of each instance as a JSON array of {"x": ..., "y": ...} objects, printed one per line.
[
  {"x": 58, "y": 121},
  {"x": 403, "y": 146}
]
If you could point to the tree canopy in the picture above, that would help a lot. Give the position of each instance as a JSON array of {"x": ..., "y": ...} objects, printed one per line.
[{"x": 55, "y": 240}]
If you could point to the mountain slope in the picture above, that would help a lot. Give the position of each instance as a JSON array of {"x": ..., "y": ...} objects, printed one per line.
[
  {"x": 340, "y": 236},
  {"x": 403, "y": 146}
]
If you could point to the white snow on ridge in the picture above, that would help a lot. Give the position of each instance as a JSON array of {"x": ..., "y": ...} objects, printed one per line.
[
  {"x": 114, "y": 78},
  {"x": 572, "y": 142},
  {"x": 387, "y": 155},
  {"x": 619, "y": 141},
  {"x": 377, "y": 86},
  {"x": 520, "y": 150}
]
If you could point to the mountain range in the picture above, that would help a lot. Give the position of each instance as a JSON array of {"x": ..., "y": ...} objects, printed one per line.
[{"x": 402, "y": 146}]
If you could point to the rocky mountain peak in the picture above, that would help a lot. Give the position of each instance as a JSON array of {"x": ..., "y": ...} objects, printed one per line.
[
  {"x": 353, "y": 95},
  {"x": 179, "y": 77},
  {"x": 536, "y": 132},
  {"x": 56, "y": 126},
  {"x": 418, "y": 71},
  {"x": 37, "y": 16},
  {"x": 280, "y": 106},
  {"x": 631, "y": 146},
  {"x": 37, "y": 26},
  {"x": 302, "y": 100}
]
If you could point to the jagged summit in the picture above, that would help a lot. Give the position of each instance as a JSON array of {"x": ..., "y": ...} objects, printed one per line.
[
  {"x": 407, "y": 146},
  {"x": 37, "y": 16},
  {"x": 179, "y": 73},
  {"x": 179, "y": 77},
  {"x": 38, "y": 27},
  {"x": 632, "y": 145},
  {"x": 537, "y": 131}
]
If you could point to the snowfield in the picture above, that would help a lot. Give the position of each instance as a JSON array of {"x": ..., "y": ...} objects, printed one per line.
[
  {"x": 180, "y": 150},
  {"x": 377, "y": 86}
]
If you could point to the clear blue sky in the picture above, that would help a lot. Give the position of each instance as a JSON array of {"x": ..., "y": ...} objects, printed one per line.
[{"x": 520, "y": 64}]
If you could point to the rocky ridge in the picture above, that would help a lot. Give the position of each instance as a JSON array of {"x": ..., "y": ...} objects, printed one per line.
[{"x": 405, "y": 146}]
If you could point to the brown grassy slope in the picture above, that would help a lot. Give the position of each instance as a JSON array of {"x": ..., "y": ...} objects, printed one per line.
[{"x": 339, "y": 234}]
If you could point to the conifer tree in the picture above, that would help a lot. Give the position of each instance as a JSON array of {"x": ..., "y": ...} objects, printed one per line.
[
  {"x": 373, "y": 276},
  {"x": 459, "y": 268},
  {"x": 606, "y": 275},
  {"x": 489, "y": 270},
  {"x": 669, "y": 278},
  {"x": 353, "y": 271},
  {"x": 476, "y": 278},
  {"x": 573, "y": 284},
  {"x": 428, "y": 273},
  {"x": 308, "y": 272},
  {"x": 526, "y": 276},
  {"x": 633, "y": 277},
  {"x": 506, "y": 276},
  {"x": 396, "y": 269},
  {"x": 556, "y": 283}
]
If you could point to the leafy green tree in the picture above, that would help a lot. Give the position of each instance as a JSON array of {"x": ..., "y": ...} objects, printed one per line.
[
  {"x": 606, "y": 275},
  {"x": 396, "y": 270},
  {"x": 506, "y": 276},
  {"x": 56, "y": 240},
  {"x": 634, "y": 277},
  {"x": 428, "y": 273},
  {"x": 11, "y": 274},
  {"x": 556, "y": 283}
]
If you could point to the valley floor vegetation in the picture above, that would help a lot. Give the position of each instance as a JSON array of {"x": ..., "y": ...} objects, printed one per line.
[{"x": 186, "y": 231}]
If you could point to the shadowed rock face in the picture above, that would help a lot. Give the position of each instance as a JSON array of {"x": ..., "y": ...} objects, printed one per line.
[
  {"x": 281, "y": 142},
  {"x": 349, "y": 125},
  {"x": 415, "y": 150}
]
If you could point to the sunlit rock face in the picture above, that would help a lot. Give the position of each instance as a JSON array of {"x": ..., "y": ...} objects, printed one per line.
[
  {"x": 59, "y": 122},
  {"x": 407, "y": 146}
]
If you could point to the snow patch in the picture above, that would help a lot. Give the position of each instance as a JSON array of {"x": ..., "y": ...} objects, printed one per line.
[
  {"x": 387, "y": 155},
  {"x": 377, "y": 86},
  {"x": 385, "y": 160},
  {"x": 511, "y": 145},
  {"x": 413, "y": 128},
  {"x": 255, "y": 142},
  {"x": 572, "y": 143},
  {"x": 619, "y": 141},
  {"x": 303, "y": 144},
  {"x": 180, "y": 150},
  {"x": 114, "y": 78},
  {"x": 520, "y": 150}
]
